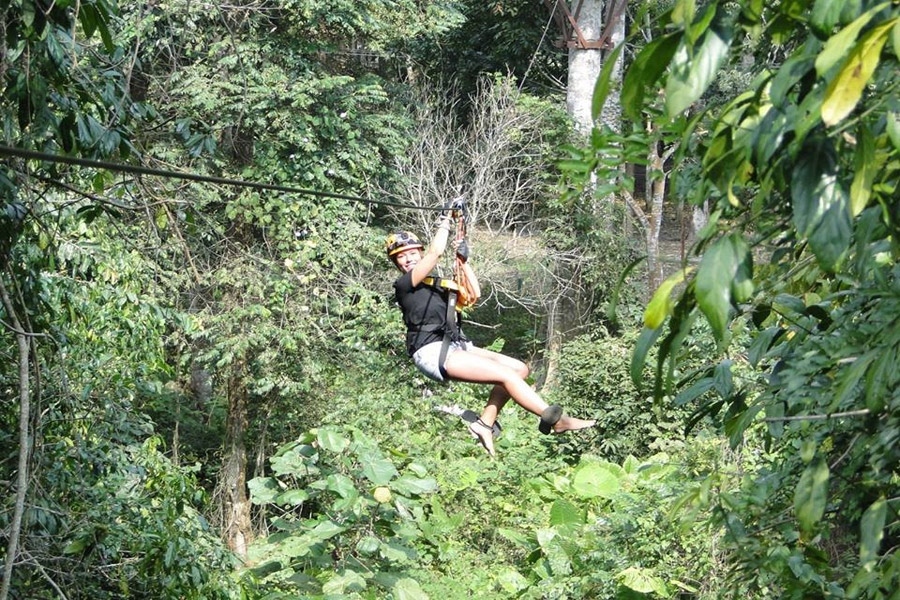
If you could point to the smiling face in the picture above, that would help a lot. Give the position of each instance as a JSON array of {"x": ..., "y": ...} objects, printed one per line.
[{"x": 407, "y": 259}]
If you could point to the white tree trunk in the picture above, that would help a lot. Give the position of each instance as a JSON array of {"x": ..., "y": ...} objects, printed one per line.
[{"x": 584, "y": 67}]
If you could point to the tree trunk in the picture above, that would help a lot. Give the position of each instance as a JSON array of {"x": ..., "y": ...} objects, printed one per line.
[
  {"x": 586, "y": 57},
  {"x": 23, "y": 340},
  {"x": 232, "y": 485},
  {"x": 584, "y": 67},
  {"x": 657, "y": 192}
]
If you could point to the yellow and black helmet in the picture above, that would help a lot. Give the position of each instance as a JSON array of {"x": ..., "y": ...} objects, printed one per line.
[{"x": 399, "y": 241}]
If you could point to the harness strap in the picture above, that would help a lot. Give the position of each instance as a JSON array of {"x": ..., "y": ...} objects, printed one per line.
[
  {"x": 450, "y": 325},
  {"x": 451, "y": 332},
  {"x": 441, "y": 284}
]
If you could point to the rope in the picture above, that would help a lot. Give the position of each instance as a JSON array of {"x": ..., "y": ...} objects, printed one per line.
[{"x": 139, "y": 170}]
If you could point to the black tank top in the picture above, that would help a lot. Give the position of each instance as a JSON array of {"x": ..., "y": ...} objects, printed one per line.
[{"x": 424, "y": 312}]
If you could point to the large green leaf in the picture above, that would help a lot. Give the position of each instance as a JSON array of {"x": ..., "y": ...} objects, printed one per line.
[
  {"x": 871, "y": 531},
  {"x": 379, "y": 470},
  {"x": 331, "y": 439},
  {"x": 821, "y": 208},
  {"x": 865, "y": 170},
  {"x": 345, "y": 581},
  {"x": 693, "y": 68},
  {"x": 813, "y": 184},
  {"x": 847, "y": 87},
  {"x": 645, "y": 341},
  {"x": 563, "y": 512},
  {"x": 593, "y": 480},
  {"x": 341, "y": 485},
  {"x": 645, "y": 71},
  {"x": 831, "y": 238},
  {"x": 643, "y": 581},
  {"x": 811, "y": 494},
  {"x": 409, "y": 485},
  {"x": 825, "y": 15},
  {"x": 263, "y": 489},
  {"x": 602, "y": 87},
  {"x": 409, "y": 589},
  {"x": 725, "y": 273},
  {"x": 660, "y": 305},
  {"x": 840, "y": 43}
]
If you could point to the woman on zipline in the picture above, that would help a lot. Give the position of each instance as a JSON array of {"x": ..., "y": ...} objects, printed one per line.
[{"x": 424, "y": 302}]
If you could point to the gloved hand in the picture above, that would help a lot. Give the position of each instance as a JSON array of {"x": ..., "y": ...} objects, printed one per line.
[
  {"x": 462, "y": 250},
  {"x": 457, "y": 204}
]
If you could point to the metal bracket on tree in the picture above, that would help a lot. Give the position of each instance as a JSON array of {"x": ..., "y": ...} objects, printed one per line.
[{"x": 571, "y": 35}]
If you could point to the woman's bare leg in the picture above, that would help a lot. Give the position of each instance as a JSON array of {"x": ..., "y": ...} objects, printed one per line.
[
  {"x": 507, "y": 374},
  {"x": 475, "y": 367},
  {"x": 499, "y": 396}
]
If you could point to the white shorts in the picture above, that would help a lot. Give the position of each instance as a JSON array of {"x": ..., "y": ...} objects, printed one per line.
[{"x": 427, "y": 357}]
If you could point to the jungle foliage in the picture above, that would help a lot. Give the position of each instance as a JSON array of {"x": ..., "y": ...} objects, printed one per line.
[
  {"x": 796, "y": 278},
  {"x": 206, "y": 395}
]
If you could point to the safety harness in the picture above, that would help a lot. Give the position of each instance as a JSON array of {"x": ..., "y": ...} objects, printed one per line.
[{"x": 459, "y": 293}]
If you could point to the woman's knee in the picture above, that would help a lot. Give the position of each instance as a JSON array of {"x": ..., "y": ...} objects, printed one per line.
[{"x": 522, "y": 369}]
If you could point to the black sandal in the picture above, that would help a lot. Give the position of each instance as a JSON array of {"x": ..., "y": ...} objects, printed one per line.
[
  {"x": 486, "y": 440},
  {"x": 469, "y": 416},
  {"x": 550, "y": 417}
]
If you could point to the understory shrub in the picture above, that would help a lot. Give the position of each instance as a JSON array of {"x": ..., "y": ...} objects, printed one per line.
[{"x": 594, "y": 381}]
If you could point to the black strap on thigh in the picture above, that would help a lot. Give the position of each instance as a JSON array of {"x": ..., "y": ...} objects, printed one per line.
[{"x": 451, "y": 332}]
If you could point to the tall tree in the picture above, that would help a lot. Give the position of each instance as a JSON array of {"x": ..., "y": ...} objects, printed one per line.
[
  {"x": 800, "y": 166},
  {"x": 595, "y": 28}
]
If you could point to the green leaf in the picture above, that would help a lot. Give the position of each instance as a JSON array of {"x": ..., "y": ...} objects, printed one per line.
[
  {"x": 724, "y": 272},
  {"x": 895, "y": 39},
  {"x": 414, "y": 486},
  {"x": 397, "y": 553},
  {"x": 811, "y": 495},
  {"x": 341, "y": 485},
  {"x": 683, "y": 12},
  {"x": 331, "y": 439},
  {"x": 643, "y": 581},
  {"x": 89, "y": 18},
  {"x": 409, "y": 589},
  {"x": 326, "y": 530},
  {"x": 847, "y": 87},
  {"x": 877, "y": 377},
  {"x": 75, "y": 546},
  {"x": 612, "y": 306},
  {"x": 161, "y": 219},
  {"x": 693, "y": 69},
  {"x": 871, "y": 531},
  {"x": 723, "y": 379},
  {"x": 762, "y": 342},
  {"x": 592, "y": 480},
  {"x": 825, "y": 15},
  {"x": 645, "y": 71},
  {"x": 645, "y": 341},
  {"x": 660, "y": 305},
  {"x": 563, "y": 512},
  {"x": 693, "y": 392},
  {"x": 820, "y": 203},
  {"x": 345, "y": 581},
  {"x": 893, "y": 128},
  {"x": 602, "y": 87},
  {"x": 865, "y": 170},
  {"x": 263, "y": 490},
  {"x": 292, "y": 497},
  {"x": 831, "y": 238},
  {"x": 837, "y": 45},
  {"x": 368, "y": 545},
  {"x": 379, "y": 471}
]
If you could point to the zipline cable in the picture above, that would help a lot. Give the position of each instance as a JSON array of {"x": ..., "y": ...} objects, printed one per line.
[{"x": 139, "y": 170}]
